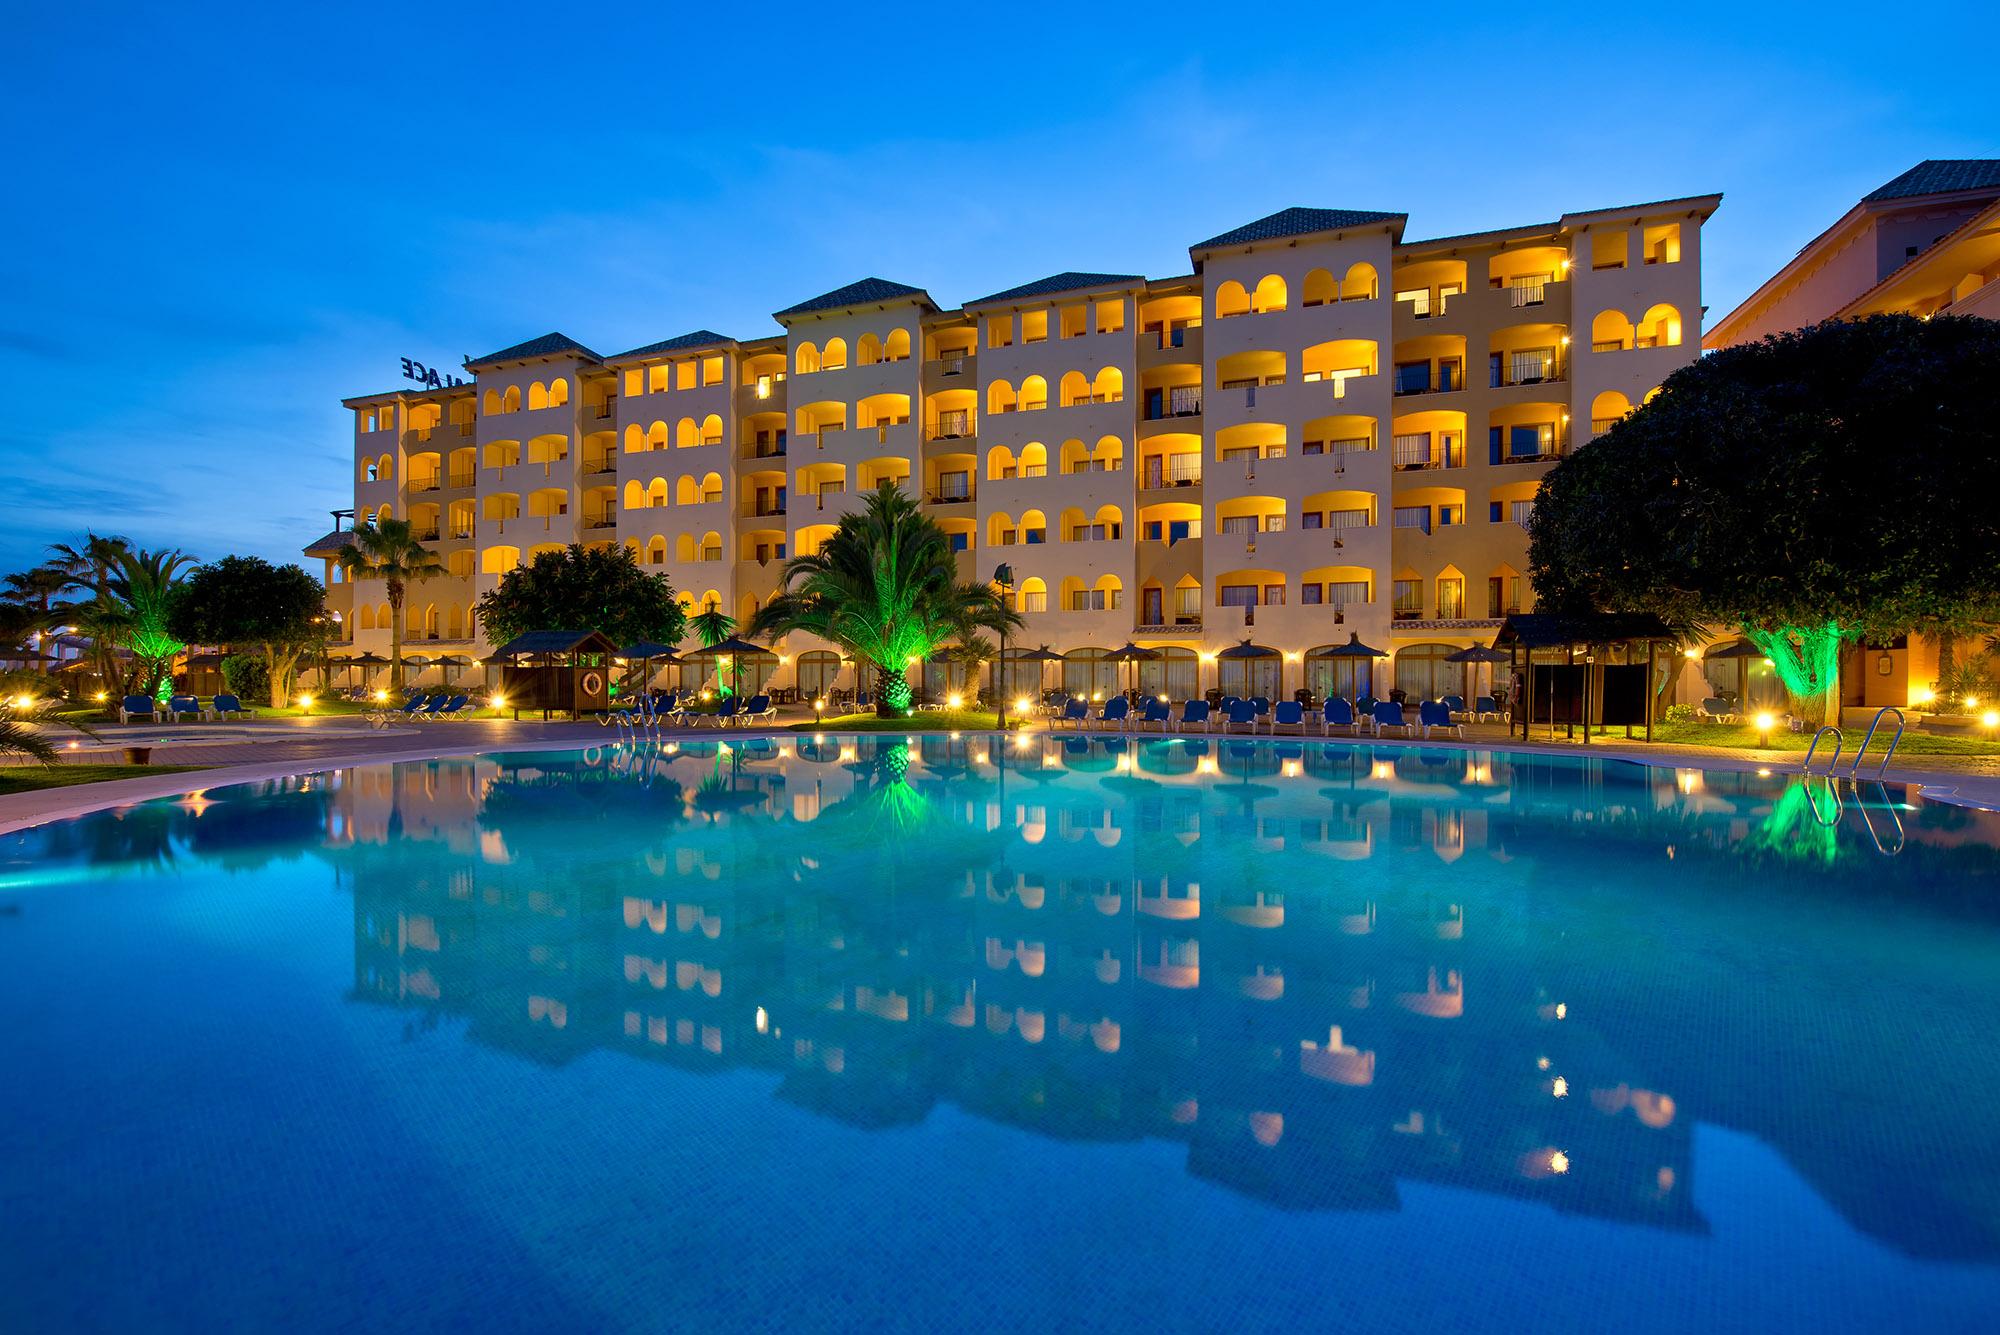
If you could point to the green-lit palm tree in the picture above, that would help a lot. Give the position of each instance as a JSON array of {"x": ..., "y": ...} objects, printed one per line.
[
  {"x": 139, "y": 587},
  {"x": 18, "y": 739},
  {"x": 885, "y": 588},
  {"x": 85, "y": 566},
  {"x": 388, "y": 550}
]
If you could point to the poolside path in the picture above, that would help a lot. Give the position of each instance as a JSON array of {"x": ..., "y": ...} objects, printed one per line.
[{"x": 269, "y": 749}]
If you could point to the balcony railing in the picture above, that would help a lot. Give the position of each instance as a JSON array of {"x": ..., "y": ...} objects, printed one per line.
[
  {"x": 950, "y": 497},
  {"x": 426, "y": 484},
  {"x": 952, "y": 426},
  {"x": 464, "y": 479},
  {"x": 1178, "y": 401},
  {"x": 1528, "y": 368},
  {"x": 599, "y": 522},
  {"x": 425, "y": 534},
  {"x": 1417, "y": 379}
]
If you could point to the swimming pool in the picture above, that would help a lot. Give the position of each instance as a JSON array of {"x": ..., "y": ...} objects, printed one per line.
[{"x": 971, "y": 1032}]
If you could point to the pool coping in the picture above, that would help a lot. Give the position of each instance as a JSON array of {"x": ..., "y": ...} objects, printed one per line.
[{"x": 47, "y": 806}]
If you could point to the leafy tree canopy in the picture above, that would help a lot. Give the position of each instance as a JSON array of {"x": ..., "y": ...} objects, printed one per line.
[
  {"x": 245, "y": 600},
  {"x": 582, "y": 588},
  {"x": 1836, "y": 481}
]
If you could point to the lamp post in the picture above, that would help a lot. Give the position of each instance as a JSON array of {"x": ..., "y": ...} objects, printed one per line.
[{"x": 1003, "y": 578}]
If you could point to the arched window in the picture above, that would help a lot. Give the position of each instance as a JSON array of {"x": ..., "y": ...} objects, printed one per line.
[
  {"x": 711, "y": 430},
  {"x": 656, "y": 554},
  {"x": 635, "y": 439},
  {"x": 834, "y": 357},
  {"x": 807, "y": 359},
  {"x": 499, "y": 560},
  {"x": 897, "y": 349},
  {"x": 492, "y": 402},
  {"x": 1423, "y": 673},
  {"x": 538, "y": 396},
  {"x": 1034, "y": 459},
  {"x": 686, "y": 433},
  {"x": 1320, "y": 288},
  {"x": 1073, "y": 389},
  {"x": 1661, "y": 328},
  {"x": 1109, "y": 386},
  {"x": 1610, "y": 331},
  {"x": 1360, "y": 283},
  {"x": 1034, "y": 394},
  {"x": 868, "y": 350},
  {"x": 1606, "y": 409},
  {"x": 558, "y": 392},
  {"x": 635, "y": 495},
  {"x": 657, "y": 436},
  {"x": 510, "y": 399},
  {"x": 1000, "y": 463},
  {"x": 687, "y": 492},
  {"x": 1000, "y": 397},
  {"x": 1270, "y": 294},
  {"x": 656, "y": 492},
  {"x": 1231, "y": 299}
]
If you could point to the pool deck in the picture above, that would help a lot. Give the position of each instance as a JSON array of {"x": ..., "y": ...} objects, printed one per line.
[{"x": 243, "y": 752}]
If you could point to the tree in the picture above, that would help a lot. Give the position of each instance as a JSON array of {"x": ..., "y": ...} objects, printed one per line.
[
  {"x": 85, "y": 567},
  {"x": 1818, "y": 486},
  {"x": 135, "y": 597},
  {"x": 245, "y": 601},
  {"x": 712, "y": 626},
  {"x": 583, "y": 588},
  {"x": 885, "y": 588},
  {"x": 388, "y": 550}
]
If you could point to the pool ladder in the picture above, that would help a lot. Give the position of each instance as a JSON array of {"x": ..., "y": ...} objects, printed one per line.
[{"x": 1854, "y": 767}]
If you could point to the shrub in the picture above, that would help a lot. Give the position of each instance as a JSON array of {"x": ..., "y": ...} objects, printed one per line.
[
  {"x": 1682, "y": 714},
  {"x": 249, "y": 677}
]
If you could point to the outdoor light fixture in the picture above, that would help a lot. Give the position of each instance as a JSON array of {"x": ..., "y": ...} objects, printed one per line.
[
  {"x": 1020, "y": 704},
  {"x": 1922, "y": 697},
  {"x": 100, "y": 697},
  {"x": 305, "y": 702},
  {"x": 1990, "y": 719},
  {"x": 954, "y": 701},
  {"x": 499, "y": 702},
  {"x": 381, "y": 697},
  {"x": 1765, "y": 722}
]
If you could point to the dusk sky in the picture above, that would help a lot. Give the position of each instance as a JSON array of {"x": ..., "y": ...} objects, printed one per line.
[{"x": 221, "y": 222}]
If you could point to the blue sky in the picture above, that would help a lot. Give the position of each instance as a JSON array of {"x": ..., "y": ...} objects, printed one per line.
[{"x": 220, "y": 223}]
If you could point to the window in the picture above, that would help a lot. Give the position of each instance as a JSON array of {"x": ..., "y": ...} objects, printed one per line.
[
  {"x": 1413, "y": 516},
  {"x": 1409, "y": 600},
  {"x": 999, "y": 331},
  {"x": 658, "y": 378},
  {"x": 1075, "y": 321},
  {"x": 711, "y": 370},
  {"x": 1449, "y": 515},
  {"x": 1034, "y": 600},
  {"x": 1419, "y": 299},
  {"x": 1608, "y": 250},
  {"x": 1339, "y": 520},
  {"x": 1237, "y": 595},
  {"x": 1451, "y": 599},
  {"x": 1111, "y": 315},
  {"x": 635, "y": 381},
  {"x": 1347, "y": 593},
  {"x": 1309, "y": 595},
  {"x": 1413, "y": 451},
  {"x": 1503, "y": 595},
  {"x": 1521, "y": 512},
  {"x": 1187, "y": 601},
  {"x": 1034, "y": 326}
]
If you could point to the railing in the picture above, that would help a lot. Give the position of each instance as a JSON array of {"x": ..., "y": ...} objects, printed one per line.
[
  {"x": 952, "y": 364},
  {"x": 952, "y": 497},
  {"x": 599, "y": 522},
  {"x": 767, "y": 512},
  {"x": 1529, "y": 368},
  {"x": 601, "y": 410},
  {"x": 952, "y": 426},
  {"x": 465, "y": 479},
  {"x": 426, "y": 484},
  {"x": 600, "y": 467},
  {"x": 1450, "y": 377},
  {"x": 425, "y": 534}
]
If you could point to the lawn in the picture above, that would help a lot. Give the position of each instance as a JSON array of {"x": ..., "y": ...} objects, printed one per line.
[
  {"x": 1743, "y": 736},
  {"x": 33, "y": 778},
  {"x": 938, "y": 720}
]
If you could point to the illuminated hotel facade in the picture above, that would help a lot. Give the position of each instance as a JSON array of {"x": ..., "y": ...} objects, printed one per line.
[{"x": 1324, "y": 431}]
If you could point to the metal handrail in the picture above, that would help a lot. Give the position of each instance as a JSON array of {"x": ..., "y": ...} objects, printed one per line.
[
  {"x": 1832, "y": 791},
  {"x": 1824, "y": 730},
  {"x": 1868, "y": 821},
  {"x": 1894, "y": 741}
]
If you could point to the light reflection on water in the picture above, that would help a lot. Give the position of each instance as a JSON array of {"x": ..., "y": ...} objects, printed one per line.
[{"x": 1334, "y": 974}]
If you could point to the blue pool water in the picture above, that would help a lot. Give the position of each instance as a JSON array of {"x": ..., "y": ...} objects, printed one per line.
[{"x": 963, "y": 1034}]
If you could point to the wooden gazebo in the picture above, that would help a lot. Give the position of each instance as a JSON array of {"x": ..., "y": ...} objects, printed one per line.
[
  {"x": 1556, "y": 688},
  {"x": 556, "y": 671}
]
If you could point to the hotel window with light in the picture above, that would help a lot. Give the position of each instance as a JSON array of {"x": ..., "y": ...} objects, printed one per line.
[
  {"x": 1413, "y": 516},
  {"x": 659, "y": 378},
  {"x": 635, "y": 381},
  {"x": 1075, "y": 321},
  {"x": 1034, "y": 327},
  {"x": 1451, "y": 599},
  {"x": 1409, "y": 599},
  {"x": 1111, "y": 316}
]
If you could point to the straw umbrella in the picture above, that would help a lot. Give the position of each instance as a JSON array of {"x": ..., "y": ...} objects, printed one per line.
[
  {"x": 1040, "y": 657},
  {"x": 1740, "y": 650},
  {"x": 735, "y": 648},
  {"x": 1354, "y": 648},
  {"x": 646, "y": 651},
  {"x": 1478, "y": 653},
  {"x": 1135, "y": 655},
  {"x": 1246, "y": 652}
]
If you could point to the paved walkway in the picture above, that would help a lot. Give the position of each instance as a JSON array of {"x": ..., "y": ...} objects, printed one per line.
[{"x": 242, "y": 752}]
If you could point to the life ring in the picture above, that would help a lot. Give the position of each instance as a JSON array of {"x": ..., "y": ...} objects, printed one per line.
[{"x": 593, "y": 683}]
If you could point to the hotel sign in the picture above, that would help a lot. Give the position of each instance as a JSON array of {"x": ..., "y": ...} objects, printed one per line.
[{"x": 428, "y": 376}]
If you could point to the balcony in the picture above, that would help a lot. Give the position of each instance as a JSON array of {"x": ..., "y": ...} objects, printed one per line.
[
  {"x": 1176, "y": 401},
  {"x": 1527, "y": 368},
  {"x": 764, "y": 511},
  {"x": 600, "y": 467},
  {"x": 596, "y": 523},
  {"x": 949, "y": 497},
  {"x": 464, "y": 479},
  {"x": 952, "y": 426},
  {"x": 1418, "y": 378},
  {"x": 419, "y": 485}
]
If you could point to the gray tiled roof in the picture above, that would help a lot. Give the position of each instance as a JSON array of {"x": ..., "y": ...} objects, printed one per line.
[
  {"x": 1068, "y": 281},
  {"x": 1296, "y": 222},
  {"x": 548, "y": 345},
  {"x": 332, "y": 544},
  {"x": 1940, "y": 176},
  {"x": 700, "y": 338},
  {"x": 864, "y": 293}
]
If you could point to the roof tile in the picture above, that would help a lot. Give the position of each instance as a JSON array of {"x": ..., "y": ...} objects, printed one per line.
[
  {"x": 1940, "y": 176},
  {"x": 1296, "y": 222},
  {"x": 1068, "y": 281},
  {"x": 700, "y": 338},
  {"x": 867, "y": 292},
  {"x": 548, "y": 345}
]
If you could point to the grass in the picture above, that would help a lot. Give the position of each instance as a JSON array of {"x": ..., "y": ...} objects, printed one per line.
[
  {"x": 34, "y": 778},
  {"x": 1744, "y": 737},
  {"x": 939, "y": 720}
]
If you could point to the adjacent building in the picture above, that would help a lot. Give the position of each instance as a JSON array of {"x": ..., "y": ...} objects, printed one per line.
[
  {"x": 1925, "y": 243},
  {"x": 1325, "y": 430}
]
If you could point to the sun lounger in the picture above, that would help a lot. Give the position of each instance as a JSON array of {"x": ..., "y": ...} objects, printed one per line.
[
  {"x": 228, "y": 706},
  {"x": 1240, "y": 714},
  {"x": 1388, "y": 714},
  {"x": 1437, "y": 714},
  {"x": 138, "y": 707},
  {"x": 758, "y": 709},
  {"x": 1117, "y": 712},
  {"x": 1337, "y": 713},
  {"x": 1194, "y": 714},
  {"x": 1288, "y": 714}
]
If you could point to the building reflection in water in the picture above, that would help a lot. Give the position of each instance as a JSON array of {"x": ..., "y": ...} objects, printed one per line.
[{"x": 1327, "y": 970}]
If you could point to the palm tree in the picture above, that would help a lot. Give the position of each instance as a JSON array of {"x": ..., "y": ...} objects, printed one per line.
[
  {"x": 388, "y": 550},
  {"x": 18, "y": 739},
  {"x": 712, "y": 626},
  {"x": 85, "y": 567},
  {"x": 139, "y": 587},
  {"x": 885, "y": 588}
]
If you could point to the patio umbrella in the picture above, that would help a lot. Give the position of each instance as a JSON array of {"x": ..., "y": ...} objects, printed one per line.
[
  {"x": 1246, "y": 652},
  {"x": 647, "y": 651},
  {"x": 1133, "y": 654},
  {"x": 1478, "y": 653},
  {"x": 733, "y": 647},
  {"x": 1738, "y": 649},
  {"x": 1354, "y": 648},
  {"x": 1037, "y": 657},
  {"x": 367, "y": 660}
]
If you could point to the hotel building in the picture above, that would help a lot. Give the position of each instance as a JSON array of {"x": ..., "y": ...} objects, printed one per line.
[
  {"x": 1325, "y": 430},
  {"x": 1926, "y": 243}
]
